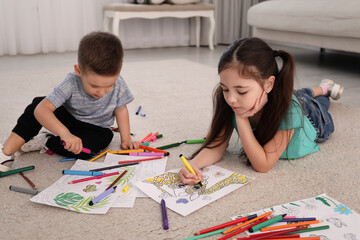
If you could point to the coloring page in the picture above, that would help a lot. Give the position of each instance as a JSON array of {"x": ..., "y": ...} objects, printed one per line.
[
  {"x": 343, "y": 222},
  {"x": 76, "y": 196},
  {"x": 144, "y": 170},
  {"x": 185, "y": 199}
]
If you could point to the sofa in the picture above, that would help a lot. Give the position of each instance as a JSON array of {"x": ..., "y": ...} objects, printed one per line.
[{"x": 327, "y": 24}]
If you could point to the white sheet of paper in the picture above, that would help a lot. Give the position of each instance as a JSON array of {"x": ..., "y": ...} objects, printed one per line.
[
  {"x": 76, "y": 197},
  {"x": 343, "y": 222},
  {"x": 144, "y": 170},
  {"x": 185, "y": 199}
]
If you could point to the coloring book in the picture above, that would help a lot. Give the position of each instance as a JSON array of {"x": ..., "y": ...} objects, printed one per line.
[
  {"x": 144, "y": 170},
  {"x": 344, "y": 223},
  {"x": 76, "y": 197},
  {"x": 185, "y": 199}
]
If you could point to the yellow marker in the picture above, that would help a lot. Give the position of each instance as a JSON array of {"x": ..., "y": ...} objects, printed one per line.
[
  {"x": 188, "y": 166},
  {"x": 99, "y": 155},
  {"x": 125, "y": 189},
  {"x": 127, "y": 151}
]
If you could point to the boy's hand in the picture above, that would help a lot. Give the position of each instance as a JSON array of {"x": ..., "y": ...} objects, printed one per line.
[
  {"x": 187, "y": 177},
  {"x": 129, "y": 144},
  {"x": 73, "y": 143}
]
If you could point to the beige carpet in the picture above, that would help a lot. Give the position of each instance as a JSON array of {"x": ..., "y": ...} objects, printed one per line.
[{"x": 176, "y": 97}]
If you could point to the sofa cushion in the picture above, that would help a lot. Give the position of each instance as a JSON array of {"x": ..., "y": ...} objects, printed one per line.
[{"x": 322, "y": 17}]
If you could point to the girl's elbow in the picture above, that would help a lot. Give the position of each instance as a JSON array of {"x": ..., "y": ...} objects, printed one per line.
[{"x": 262, "y": 169}]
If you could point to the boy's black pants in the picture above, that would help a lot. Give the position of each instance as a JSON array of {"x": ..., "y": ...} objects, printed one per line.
[{"x": 93, "y": 137}]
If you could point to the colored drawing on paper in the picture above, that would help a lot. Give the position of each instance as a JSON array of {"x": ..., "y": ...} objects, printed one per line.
[
  {"x": 90, "y": 188},
  {"x": 217, "y": 183},
  {"x": 76, "y": 197}
]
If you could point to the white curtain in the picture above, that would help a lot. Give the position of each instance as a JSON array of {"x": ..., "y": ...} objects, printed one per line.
[{"x": 41, "y": 26}]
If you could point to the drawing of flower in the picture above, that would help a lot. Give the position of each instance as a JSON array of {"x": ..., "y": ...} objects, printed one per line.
[{"x": 343, "y": 209}]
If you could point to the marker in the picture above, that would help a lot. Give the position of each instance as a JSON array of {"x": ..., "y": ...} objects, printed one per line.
[
  {"x": 92, "y": 178},
  {"x": 139, "y": 160},
  {"x": 164, "y": 215},
  {"x": 195, "y": 141},
  {"x": 85, "y": 150},
  {"x": 138, "y": 110},
  {"x": 156, "y": 137},
  {"x": 267, "y": 223},
  {"x": 126, "y": 151},
  {"x": 294, "y": 219},
  {"x": 290, "y": 225},
  {"x": 102, "y": 196},
  {"x": 188, "y": 166},
  {"x": 18, "y": 170},
  {"x": 67, "y": 159},
  {"x": 29, "y": 181},
  {"x": 170, "y": 145},
  {"x": 248, "y": 222},
  {"x": 272, "y": 234},
  {"x": 146, "y": 154},
  {"x": 117, "y": 179},
  {"x": 125, "y": 189},
  {"x": 242, "y": 229},
  {"x": 146, "y": 137},
  {"x": 83, "y": 173},
  {"x": 23, "y": 190},
  {"x": 114, "y": 166},
  {"x": 154, "y": 150},
  {"x": 103, "y": 153},
  {"x": 221, "y": 226},
  {"x": 143, "y": 114}
]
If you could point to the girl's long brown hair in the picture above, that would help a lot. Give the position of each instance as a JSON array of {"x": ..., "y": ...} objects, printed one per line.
[{"x": 255, "y": 59}]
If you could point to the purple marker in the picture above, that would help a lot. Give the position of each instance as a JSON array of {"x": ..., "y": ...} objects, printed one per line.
[
  {"x": 137, "y": 112},
  {"x": 164, "y": 214}
]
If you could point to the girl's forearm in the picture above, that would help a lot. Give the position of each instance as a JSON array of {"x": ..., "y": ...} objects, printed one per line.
[
  {"x": 254, "y": 151},
  {"x": 209, "y": 156}
]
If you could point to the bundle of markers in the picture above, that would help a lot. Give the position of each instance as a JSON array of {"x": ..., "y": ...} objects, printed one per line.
[{"x": 289, "y": 231}]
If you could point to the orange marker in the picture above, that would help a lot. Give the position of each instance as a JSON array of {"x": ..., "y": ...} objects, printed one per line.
[
  {"x": 146, "y": 137},
  {"x": 101, "y": 154},
  {"x": 246, "y": 223},
  {"x": 154, "y": 150},
  {"x": 127, "y": 151},
  {"x": 290, "y": 225}
]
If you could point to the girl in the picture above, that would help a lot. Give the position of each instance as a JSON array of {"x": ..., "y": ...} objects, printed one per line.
[{"x": 257, "y": 99}]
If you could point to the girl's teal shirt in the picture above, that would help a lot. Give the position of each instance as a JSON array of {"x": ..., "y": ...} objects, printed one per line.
[{"x": 303, "y": 141}]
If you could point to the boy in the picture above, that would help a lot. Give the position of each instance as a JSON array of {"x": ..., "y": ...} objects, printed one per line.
[{"x": 81, "y": 109}]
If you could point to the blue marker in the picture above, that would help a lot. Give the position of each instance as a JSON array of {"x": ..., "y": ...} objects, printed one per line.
[
  {"x": 137, "y": 112},
  {"x": 84, "y": 173},
  {"x": 67, "y": 159},
  {"x": 102, "y": 196}
]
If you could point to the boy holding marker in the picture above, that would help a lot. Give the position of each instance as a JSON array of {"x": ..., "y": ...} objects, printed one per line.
[{"x": 81, "y": 109}]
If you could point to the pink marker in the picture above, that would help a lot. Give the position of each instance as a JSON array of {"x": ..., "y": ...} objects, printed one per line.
[
  {"x": 85, "y": 150},
  {"x": 146, "y": 154}
]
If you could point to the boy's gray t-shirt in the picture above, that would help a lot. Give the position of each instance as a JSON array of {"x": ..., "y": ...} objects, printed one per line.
[{"x": 98, "y": 111}]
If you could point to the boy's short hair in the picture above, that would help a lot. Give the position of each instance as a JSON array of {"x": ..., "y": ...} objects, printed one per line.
[{"x": 101, "y": 53}]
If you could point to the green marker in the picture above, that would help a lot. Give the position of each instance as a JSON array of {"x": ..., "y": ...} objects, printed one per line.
[
  {"x": 267, "y": 223},
  {"x": 18, "y": 170},
  {"x": 310, "y": 229},
  {"x": 195, "y": 141},
  {"x": 169, "y": 146}
]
